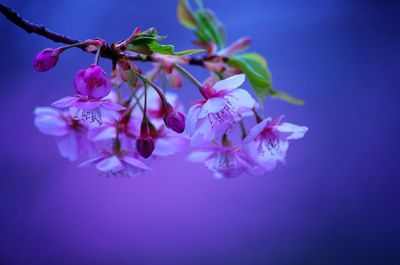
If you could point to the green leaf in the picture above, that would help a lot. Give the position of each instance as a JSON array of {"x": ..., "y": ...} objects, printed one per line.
[
  {"x": 209, "y": 28},
  {"x": 256, "y": 70},
  {"x": 170, "y": 49},
  {"x": 141, "y": 41},
  {"x": 185, "y": 15}
]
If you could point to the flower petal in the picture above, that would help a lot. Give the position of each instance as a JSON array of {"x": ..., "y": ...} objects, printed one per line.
[
  {"x": 296, "y": 131},
  {"x": 240, "y": 100},
  {"x": 65, "y": 102},
  {"x": 102, "y": 133},
  {"x": 229, "y": 83},
  {"x": 135, "y": 162},
  {"x": 110, "y": 164},
  {"x": 49, "y": 121},
  {"x": 112, "y": 106},
  {"x": 256, "y": 130},
  {"x": 199, "y": 156},
  {"x": 212, "y": 105},
  {"x": 68, "y": 146}
]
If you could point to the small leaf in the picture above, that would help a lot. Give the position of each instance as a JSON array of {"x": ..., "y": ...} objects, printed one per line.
[
  {"x": 170, "y": 49},
  {"x": 185, "y": 15},
  {"x": 141, "y": 41},
  {"x": 256, "y": 70},
  {"x": 209, "y": 28},
  {"x": 286, "y": 97}
]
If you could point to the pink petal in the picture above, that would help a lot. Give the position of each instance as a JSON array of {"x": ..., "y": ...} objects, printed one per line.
[
  {"x": 112, "y": 106},
  {"x": 229, "y": 83},
  {"x": 256, "y": 130},
  {"x": 87, "y": 105},
  {"x": 65, "y": 102}
]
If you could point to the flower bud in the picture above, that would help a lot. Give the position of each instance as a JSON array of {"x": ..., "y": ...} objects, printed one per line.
[
  {"x": 145, "y": 146},
  {"x": 175, "y": 121},
  {"x": 92, "y": 82},
  {"x": 46, "y": 59},
  {"x": 144, "y": 143}
]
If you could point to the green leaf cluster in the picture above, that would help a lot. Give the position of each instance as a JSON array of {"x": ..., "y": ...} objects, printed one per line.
[
  {"x": 205, "y": 24},
  {"x": 146, "y": 43}
]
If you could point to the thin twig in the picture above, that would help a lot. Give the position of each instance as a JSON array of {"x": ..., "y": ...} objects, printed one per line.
[{"x": 106, "y": 51}]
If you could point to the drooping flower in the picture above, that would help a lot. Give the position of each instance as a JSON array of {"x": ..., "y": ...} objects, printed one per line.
[
  {"x": 69, "y": 134},
  {"x": 174, "y": 120},
  {"x": 117, "y": 164},
  {"x": 268, "y": 141},
  {"x": 90, "y": 103},
  {"x": 223, "y": 105},
  {"x": 46, "y": 59},
  {"x": 223, "y": 161}
]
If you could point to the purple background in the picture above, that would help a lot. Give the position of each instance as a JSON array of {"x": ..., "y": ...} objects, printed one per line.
[{"x": 336, "y": 201}]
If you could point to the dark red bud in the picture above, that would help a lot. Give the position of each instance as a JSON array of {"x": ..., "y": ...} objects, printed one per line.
[
  {"x": 175, "y": 121},
  {"x": 145, "y": 146}
]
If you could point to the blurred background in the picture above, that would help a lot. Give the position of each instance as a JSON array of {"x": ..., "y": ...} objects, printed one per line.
[{"x": 336, "y": 201}]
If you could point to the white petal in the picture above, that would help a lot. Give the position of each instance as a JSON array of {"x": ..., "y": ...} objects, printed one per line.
[
  {"x": 229, "y": 83},
  {"x": 297, "y": 131},
  {"x": 49, "y": 121},
  {"x": 68, "y": 146},
  {"x": 240, "y": 100},
  {"x": 213, "y": 105},
  {"x": 102, "y": 133},
  {"x": 110, "y": 164},
  {"x": 199, "y": 156},
  {"x": 135, "y": 162},
  {"x": 192, "y": 118}
]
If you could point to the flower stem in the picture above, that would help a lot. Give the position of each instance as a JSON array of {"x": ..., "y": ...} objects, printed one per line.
[
  {"x": 97, "y": 58},
  {"x": 188, "y": 75},
  {"x": 157, "y": 89}
]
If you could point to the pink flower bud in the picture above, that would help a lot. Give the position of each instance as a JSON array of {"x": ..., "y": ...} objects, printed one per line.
[
  {"x": 46, "y": 59},
  {"x": 175, "y": 121},
  {"x": 145, "y": 146},
  {"x": 92, "y": 82}
]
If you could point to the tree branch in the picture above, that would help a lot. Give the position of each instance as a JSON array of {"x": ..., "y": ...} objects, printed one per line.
[{"x": 106, "y": 51}]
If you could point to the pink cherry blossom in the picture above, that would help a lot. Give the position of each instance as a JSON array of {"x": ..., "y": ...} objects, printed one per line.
[
  {"x": 91, "y": 102},
  {"x": 268, "y": 141},
  {"x": 223, "y": 105},
  {"x": 223, "y": 161},
  {"x": 118, "y": 164},
  {"x": 69, "y": 134}
]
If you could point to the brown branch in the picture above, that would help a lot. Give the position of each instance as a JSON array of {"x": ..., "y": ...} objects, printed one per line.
[{"x": 106, "y": 51}]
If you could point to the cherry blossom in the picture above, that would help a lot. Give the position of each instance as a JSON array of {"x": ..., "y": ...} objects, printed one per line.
[
  {"x": 223, "y": 105},
  {"x": 90, "y": 103},
  {"x": 117, "y": 164},
  {"x": 268, "y": 141},
  {"x": 69, "y": 133},
  {"x": 223, "y": 161}
]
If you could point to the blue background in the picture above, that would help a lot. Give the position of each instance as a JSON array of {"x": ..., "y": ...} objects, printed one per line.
[{"x": 336, "y": 201}]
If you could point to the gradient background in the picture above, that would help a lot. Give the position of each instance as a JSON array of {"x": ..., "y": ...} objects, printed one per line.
[{"x": 336, "y": 201}]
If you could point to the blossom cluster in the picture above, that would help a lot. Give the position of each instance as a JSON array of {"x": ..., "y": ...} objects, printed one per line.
[{"x": 122, "y": 121}]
